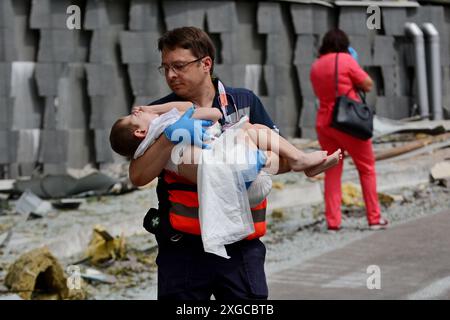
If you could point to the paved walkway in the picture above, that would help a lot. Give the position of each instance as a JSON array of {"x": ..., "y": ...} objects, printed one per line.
[{"x": 413, "y": 260}]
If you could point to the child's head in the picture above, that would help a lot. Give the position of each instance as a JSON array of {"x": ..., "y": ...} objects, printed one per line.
[{"x": 128, "y": 132}]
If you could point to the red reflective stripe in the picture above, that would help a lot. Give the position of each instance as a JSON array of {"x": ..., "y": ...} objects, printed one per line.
[
  {"x": 171, "y": 177},
  {"x": 260, "y": 230},
  {"x": 260, "y": 206},
  {"x": 185, "y": 224},
  {"x": 187, "y": 198}
]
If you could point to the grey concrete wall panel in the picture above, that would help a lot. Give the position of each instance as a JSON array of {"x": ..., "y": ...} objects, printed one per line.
[
  {"x": 49, "y": 14},
  {"x": 221, "y": 16},
  {"x": 312, "y": 19},
  {"x": 324, "y": 19},
  {"x": 40, "y": 14},
  {"x": 279, "y": 49},
  {"x": 144, "y": 15},
  {"x": 53, "y": 146},
  {"x": 5, "y": 79},
  {"x": 306, "y": 89},
  {"x": 28, "y": 145},
  {"x": 308, "y": 113},
  {"x": 17, "y": 41},
  {"x": 54, "y": 168},
  {"x": 101, "y": 79},
  {"x": 303, "y": 18},
  {"x": 104, "y": 46},
  {"x": 242, "y": 46},
  {"x": 240, "y": 75},
  {"x": 446, "y": 88},
  {"x": 79, "y": 148},
  {"x": 432, "y": 14},
  {"x": 143, "y": 101},
  {"x": 393, "y": 20},
  {"x": 278, "y": 79},
  {"x": 63, "y": 46},
  {"x": 27, "y": 110},
  {"x": 363, "y": 45},
  {"x": 6, "y": 106},
  {"x": 104, "y": 14},
  {"x": 47, "y": 76},
  {"x": 103, "y": 151},
  {"x": 73, "y": 104},
  {"x": 269, "y": 18},
  {"x": 393, "y": 107},
  {"x": 383, "y": 51},
  {"x": 50, "y": 113},
  {"x": 146, "y": 80},
  {"x": 305, "y": 50},
  {"x": 352, "y": 20},
  {"x": 225, "y": 73},
  {"x": 5, "y": 147},
  {"x": 286, "y": 115},
  {"x": 105, "y": 110},
  {"x": 187, "y": 13},
  {"x": 140, "y": 47},
  {"x": 391, "y": 80},
  {"x": 404, "y": 49},
  {"x": 254, "y": 78}
]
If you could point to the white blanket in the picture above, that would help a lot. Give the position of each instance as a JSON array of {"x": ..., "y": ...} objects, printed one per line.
[
  {"x": 155, "y": 129},
  {"x": 224, "y": 210}
]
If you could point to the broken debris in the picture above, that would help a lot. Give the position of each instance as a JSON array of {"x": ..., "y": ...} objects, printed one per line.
[
  {"x": 103, "y": 247},
  {"x": 38, "y": 275}
]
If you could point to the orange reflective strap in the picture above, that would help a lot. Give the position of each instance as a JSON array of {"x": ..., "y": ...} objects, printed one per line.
[
  {"x": 185, "y": 224},
  {"x": 187, "y": 198}
]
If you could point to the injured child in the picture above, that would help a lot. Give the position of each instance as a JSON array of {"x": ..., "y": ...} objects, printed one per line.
[{"x": 250, "y": 144}]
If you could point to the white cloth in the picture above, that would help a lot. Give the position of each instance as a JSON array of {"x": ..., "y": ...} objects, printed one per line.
[
  {"x": 155, "y": 129},
  {"x": 259, "y": 189},
  {"x": 224, "y": 209}
]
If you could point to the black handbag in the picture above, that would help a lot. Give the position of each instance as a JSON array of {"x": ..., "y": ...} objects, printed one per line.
[{"x": 350, "y": 116}]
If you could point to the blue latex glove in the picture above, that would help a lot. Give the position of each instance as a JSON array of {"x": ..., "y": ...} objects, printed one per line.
[
  {"x": 353, "y": 53},
  {"x": 257, "y": 162},
  {"x": 189, "y": 131}
]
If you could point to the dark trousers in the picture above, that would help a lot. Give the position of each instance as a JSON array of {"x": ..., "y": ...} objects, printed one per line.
[{"x": 186, "y": 272}]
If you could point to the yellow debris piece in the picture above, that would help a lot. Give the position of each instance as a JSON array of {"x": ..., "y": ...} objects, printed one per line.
[
  {"x": 351, "y": 195},
  {"x": 37, "y": 275},
  {"x": 104, "y": 247}
]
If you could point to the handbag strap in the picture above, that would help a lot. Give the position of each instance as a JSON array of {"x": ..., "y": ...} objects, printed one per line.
[
  {"x": 362, "y": 96},
  {"x": 336, "y": 74}
]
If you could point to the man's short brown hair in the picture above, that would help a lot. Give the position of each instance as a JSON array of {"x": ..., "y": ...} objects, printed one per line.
[
  {"x": 122, "y": 138},
  {"x": 195, "y": 39}
]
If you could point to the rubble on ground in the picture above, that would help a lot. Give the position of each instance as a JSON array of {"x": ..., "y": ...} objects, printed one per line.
[{"x": 38, "y": 275}]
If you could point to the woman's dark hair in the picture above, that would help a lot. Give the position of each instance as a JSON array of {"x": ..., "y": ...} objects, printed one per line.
[
  {"x": 191, "y": 38},
  {"x": 334, "y": 40}
]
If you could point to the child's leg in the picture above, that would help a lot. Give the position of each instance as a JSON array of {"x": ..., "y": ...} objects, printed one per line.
[
  {"x": 267, "y": 139},
  {"x": 189, "y": 163}
]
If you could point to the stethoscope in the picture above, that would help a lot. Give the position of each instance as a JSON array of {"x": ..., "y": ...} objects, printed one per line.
[{"x": 224, "y": 100}]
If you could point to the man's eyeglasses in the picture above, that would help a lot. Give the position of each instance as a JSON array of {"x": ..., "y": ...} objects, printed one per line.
[{"x": 177, "y": 67}]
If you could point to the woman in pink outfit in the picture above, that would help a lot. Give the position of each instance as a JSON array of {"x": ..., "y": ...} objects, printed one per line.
[{"x": 350, "y": 76}]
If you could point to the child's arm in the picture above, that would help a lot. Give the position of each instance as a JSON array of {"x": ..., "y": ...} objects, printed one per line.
[
  {"x": 212, "y": 114},
  {"x": 159, "y": 109}
]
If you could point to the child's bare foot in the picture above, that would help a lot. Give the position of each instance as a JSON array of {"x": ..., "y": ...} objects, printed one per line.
[
  {"x": 331, "y": 161},
  {"x": 308, "y": 160}
]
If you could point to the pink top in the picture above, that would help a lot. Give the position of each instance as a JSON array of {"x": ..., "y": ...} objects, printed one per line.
[{"x": 323, "y": 82}]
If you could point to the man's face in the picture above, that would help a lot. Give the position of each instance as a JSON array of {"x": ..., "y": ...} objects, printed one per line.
[{"x": 184, "y": 75}]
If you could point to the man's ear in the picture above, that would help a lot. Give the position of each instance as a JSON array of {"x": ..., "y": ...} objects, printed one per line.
[
  {"x": 140, "y": 133},
  {"x": 207, "y": 64}
]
